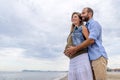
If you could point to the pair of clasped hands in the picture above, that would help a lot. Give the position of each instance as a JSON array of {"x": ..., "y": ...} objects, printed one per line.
[{"x": 71, "y": 50}]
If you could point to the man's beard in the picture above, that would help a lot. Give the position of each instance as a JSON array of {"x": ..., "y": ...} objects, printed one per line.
[{"x": 85, "y": 19}]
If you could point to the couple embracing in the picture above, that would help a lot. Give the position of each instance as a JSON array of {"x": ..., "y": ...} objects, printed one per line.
[{"x": 88, "y": 58}]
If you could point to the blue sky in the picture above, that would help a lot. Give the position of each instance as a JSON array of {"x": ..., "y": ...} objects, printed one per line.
[{"x": 33, "y": 32}]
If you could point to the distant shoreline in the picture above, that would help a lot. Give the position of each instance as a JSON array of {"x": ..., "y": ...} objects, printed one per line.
[
  {"x": 41, "y": 71},
  {"x": 33, "y": 71}
]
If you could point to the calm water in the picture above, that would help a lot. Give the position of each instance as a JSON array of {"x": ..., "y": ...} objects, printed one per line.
[{"x": 31, "y": 75}]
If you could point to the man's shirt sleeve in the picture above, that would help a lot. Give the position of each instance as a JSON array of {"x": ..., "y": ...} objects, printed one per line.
[{"x": 94, "y": 30}]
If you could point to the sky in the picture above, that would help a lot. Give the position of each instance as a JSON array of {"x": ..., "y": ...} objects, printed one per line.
[{"x": 33, "y": 33}]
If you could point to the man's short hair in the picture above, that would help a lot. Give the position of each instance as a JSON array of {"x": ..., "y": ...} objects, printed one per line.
[{"x": 90, "y": 10}]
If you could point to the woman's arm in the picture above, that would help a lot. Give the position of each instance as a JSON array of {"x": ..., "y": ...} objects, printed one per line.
[{"x": 85, "y": 31}]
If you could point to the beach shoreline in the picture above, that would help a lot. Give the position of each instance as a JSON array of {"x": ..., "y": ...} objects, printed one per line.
[{"x": 110, "y": 76}]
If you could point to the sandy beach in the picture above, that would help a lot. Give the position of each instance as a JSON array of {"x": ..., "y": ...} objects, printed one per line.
[{"x": 110, "y": 76}]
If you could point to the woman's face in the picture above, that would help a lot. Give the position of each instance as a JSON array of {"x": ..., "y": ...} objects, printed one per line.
[{"x": 75, "y": 19}]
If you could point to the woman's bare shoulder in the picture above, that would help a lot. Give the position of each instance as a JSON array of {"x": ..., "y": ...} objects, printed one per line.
[{"x": 84, "y": 27}]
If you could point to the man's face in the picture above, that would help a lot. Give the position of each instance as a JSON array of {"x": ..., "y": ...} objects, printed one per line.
[{"x": 84, "y": 15}]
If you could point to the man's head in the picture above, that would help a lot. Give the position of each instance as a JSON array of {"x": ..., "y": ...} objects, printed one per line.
[{"x": 87, "y": 13}]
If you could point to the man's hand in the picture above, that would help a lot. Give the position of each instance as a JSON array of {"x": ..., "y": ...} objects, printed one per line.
[{"x": 71, "y": 50}]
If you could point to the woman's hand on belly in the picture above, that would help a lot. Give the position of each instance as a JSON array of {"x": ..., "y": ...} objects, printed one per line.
[
  {"x": 66, "y": 53},
  {"x": 71, "y": 50}
]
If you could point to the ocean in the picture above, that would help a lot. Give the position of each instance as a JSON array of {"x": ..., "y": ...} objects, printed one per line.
[{"x": 32, "y": 75}]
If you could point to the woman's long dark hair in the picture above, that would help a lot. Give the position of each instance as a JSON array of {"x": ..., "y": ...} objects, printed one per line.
[{"x": 81, "y": 22}]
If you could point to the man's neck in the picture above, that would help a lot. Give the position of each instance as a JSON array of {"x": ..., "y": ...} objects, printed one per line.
[{"x": 89, "y": 19}]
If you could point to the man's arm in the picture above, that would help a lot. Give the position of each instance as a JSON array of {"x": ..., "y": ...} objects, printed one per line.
[
  {"x": 94, "y": 32},
  {"x": 85, "y": 44},
  {"x": 73, "y": 49}
]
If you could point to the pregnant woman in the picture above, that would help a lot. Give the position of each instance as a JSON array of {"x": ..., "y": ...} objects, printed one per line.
[{"x": 79, "y": 66}]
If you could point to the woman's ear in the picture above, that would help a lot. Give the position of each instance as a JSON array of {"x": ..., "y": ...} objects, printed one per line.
[{"x": 71, "y": 20}]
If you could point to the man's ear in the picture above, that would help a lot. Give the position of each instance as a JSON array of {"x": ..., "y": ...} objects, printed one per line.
[{"x": 90, "y": 14}]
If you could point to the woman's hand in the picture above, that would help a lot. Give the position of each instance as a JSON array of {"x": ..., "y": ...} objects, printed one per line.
[
  {"x": 71, "y": 50},
  {"x": 67, "y": 54}
]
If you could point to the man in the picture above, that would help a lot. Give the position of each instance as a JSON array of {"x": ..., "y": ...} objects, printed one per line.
[{"x": 96, "y": 51}]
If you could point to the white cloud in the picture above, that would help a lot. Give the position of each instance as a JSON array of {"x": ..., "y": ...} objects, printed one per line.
[{"x": 12, "y": 59}]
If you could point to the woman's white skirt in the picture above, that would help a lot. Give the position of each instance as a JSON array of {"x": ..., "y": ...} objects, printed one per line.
[{"x": 79, "y": 68}]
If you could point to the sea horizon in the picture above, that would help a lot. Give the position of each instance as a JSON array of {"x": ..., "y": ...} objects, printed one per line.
[{"x": 30, "y": 75}]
